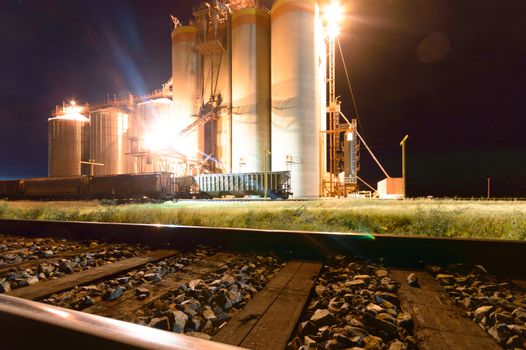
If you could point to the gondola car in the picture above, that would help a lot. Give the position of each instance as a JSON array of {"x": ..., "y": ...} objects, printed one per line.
[
  {"x": 11, "y": 189},
  {"x": 74, "y": 187},
  {"x": 132, "y": 186}
]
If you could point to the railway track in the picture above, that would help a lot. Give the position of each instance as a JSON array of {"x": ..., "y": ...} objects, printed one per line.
[{"x": 256, "y": 289}]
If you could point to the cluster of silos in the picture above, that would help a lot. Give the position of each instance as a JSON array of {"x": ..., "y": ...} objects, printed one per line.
[
  {"x": 68, "y": 141},
  {"x": 276, "y": 96},
  {"x": 78, "y": 137},
  {"x": 263, "y": 72}
]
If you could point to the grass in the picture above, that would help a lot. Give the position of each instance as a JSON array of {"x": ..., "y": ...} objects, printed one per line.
[{"x": 447, "y": 218}]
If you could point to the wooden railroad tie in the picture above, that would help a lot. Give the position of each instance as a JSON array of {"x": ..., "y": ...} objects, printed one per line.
[
  {"x": 438, "y": 323},
  {"x": 125, "y": 307},
  {"x": 44, "y": 289},
  {"x": 268, "y": 320}
]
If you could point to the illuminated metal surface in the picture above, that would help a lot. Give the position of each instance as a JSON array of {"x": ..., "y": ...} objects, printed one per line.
[
  {"x": 65, "y": 141},
  {"x": 108, "y": 141},
  {"x": 54, "y": 327},
  {"x": 297, "y": 96},
  {"x": 243, "y": 184},
  {"x": 154, "y": 131},
  {"x": 250, "y": 89}
]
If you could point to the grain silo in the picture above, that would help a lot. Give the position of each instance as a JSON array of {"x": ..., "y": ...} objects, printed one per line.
[
  {"x": 184, "y": 77},
  {"x": 66, "y": 141},
  {"x": 250, "y": 89},
  {"x": 109, "y": 139},
  {"x": 297, "y": 96}
]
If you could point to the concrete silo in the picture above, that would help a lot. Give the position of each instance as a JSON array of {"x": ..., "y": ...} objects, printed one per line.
[
  {"x": 184, "y": 75},
  {"x": 250, "y": 89},
  {"x": 109, "y": 141},
  {"x": 297, "y": 94},
  {"x": 67, "y": 139}
]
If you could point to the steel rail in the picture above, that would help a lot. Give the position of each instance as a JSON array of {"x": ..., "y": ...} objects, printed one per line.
[
  {"x": 30, "y": 325},
  {"x": 502, "y": 257}
]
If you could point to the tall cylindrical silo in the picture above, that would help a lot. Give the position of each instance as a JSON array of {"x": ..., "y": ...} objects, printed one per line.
[
  {"x": 184, "y": 75},
  {"x": 65, "y": 142},
  {"x": 109, "y": 135},
  {"x": 224, "y": 87},
  {"x": 250, "y": 89},
  {"x": 297, "y": 95}
]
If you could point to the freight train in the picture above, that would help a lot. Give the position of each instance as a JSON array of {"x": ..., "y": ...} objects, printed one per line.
[{"x": 150, "y": 186}]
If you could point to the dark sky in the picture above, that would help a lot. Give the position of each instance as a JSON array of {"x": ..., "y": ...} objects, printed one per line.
[{"x": 450, "y": 73}]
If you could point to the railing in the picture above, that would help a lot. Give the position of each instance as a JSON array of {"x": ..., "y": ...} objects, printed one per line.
[{"x": 27, "y": 324}]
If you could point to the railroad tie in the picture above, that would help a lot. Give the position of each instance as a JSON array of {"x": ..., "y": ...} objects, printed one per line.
[
  {"x": 268, "y": 320},
  {"x": 46, "y": 288},
  {"x": 7, "y": 267},
  {"x": 125, "y": 307},
  {"x": 438, "y": 323}
]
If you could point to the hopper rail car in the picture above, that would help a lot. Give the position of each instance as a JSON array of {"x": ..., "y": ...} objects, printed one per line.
[{"x": 151, "y": 186}]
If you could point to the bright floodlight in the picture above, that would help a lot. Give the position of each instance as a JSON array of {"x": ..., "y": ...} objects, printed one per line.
[
  {"x": 333, "y": 30},
  {"x": 332, "y": 15},
  {"x": 333, "y": 12},
  {"x": 162, "y": 138}
]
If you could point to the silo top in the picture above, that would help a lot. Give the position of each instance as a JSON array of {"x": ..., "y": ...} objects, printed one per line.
[
  {"x": 184, "y": 33},
  {"x": 77, "y": 117},
  {"x": 284, "y": 6},
  {"x": 250, "y": 16}
]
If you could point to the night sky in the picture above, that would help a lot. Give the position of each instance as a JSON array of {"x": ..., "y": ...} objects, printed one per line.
[{"x": 450, "y": 73}]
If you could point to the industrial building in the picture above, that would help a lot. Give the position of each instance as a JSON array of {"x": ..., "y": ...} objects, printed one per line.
[{"x": 252, "y": 91}]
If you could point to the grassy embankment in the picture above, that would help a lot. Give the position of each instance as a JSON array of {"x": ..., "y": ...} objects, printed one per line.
[{"x": 481, "y": 219}]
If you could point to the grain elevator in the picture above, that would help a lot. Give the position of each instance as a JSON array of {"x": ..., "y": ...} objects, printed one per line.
[{"x": 247, "y": 94}]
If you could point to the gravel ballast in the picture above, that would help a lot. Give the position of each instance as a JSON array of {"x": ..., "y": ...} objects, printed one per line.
[
  {"x": 354, "y": 306},
  {"x": 497, "y": 306}
]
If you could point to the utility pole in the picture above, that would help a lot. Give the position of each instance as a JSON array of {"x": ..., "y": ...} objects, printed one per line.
[
  {"x": 489, "y": 186},
  {"x": 402, "y": 143}
]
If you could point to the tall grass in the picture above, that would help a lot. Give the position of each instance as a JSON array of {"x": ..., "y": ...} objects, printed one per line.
[{"x": 480, "y": 219}]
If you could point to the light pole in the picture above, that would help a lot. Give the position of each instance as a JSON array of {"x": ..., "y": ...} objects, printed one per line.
[
  {"x": 402, "y": 143},
  {"x": 267, "y": 153},
  {"x": 332, "y": 17}
]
